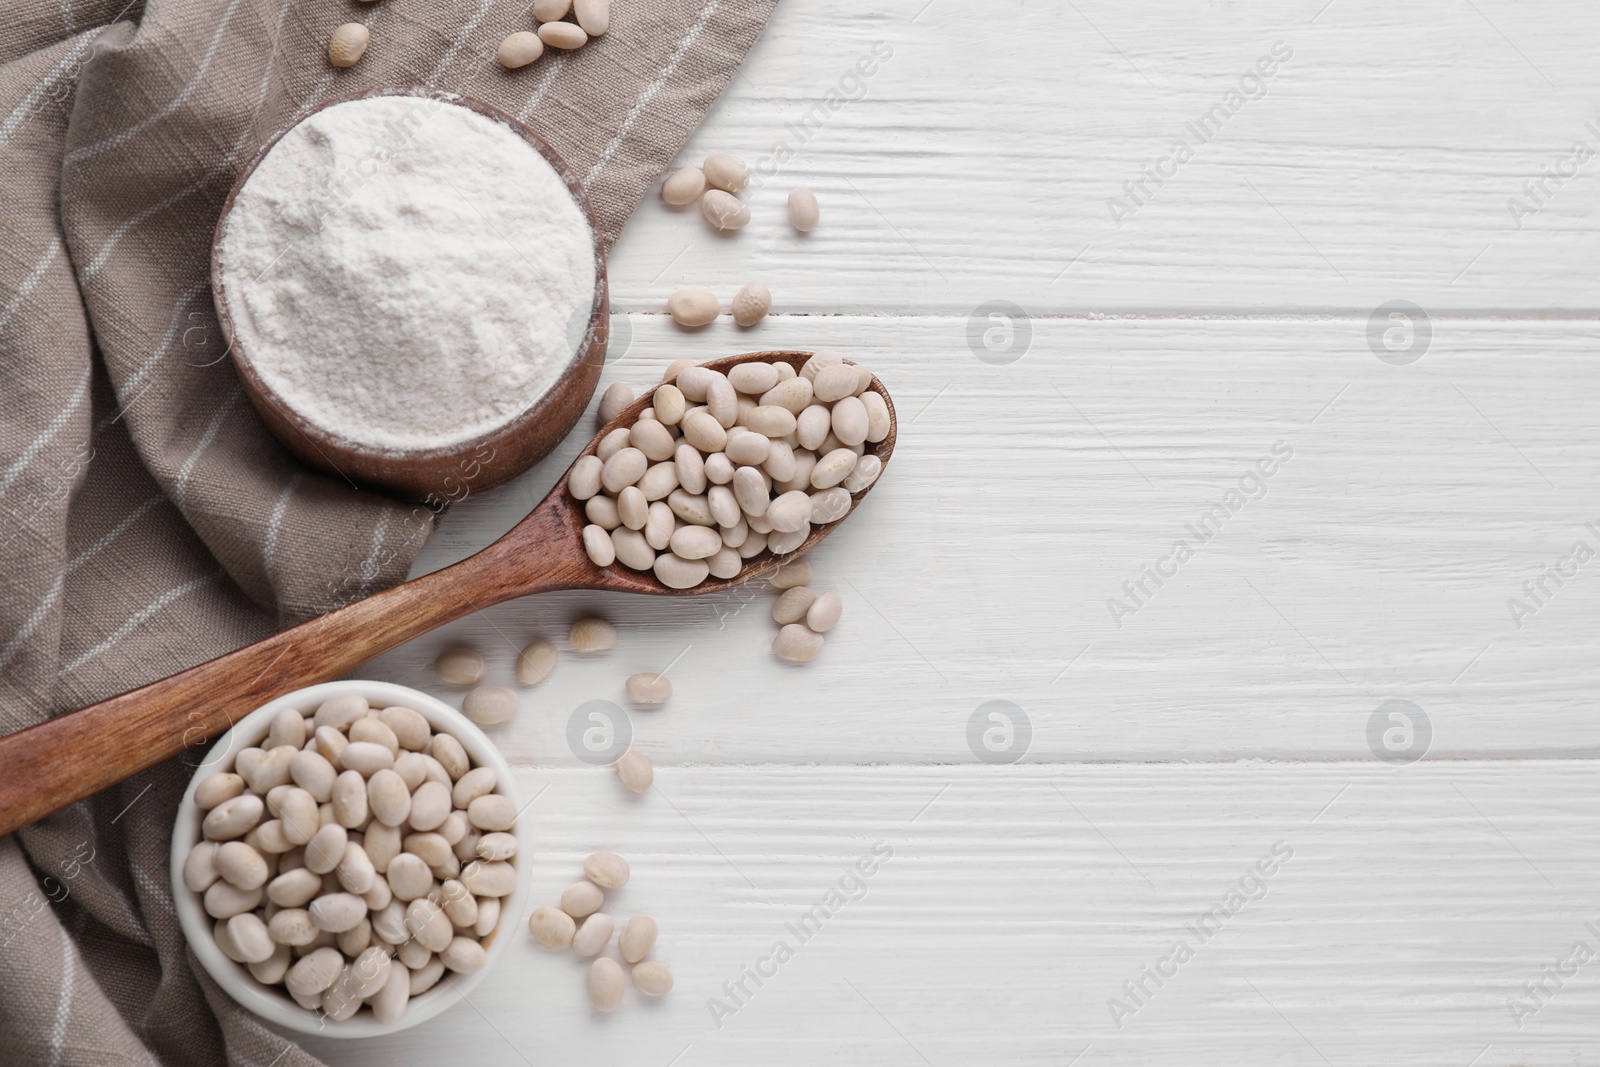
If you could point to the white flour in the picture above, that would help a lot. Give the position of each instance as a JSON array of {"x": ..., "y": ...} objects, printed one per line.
[{"x": 407, "y": 273}]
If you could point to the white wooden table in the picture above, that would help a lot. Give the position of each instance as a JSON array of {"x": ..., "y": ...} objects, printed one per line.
[{"x": 1154, "y": 751}]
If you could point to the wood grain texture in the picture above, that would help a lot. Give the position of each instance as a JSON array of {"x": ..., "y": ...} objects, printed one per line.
[
  {"x": 1377, "y": 565},
  {"x": 1016, "y": 904},
  {"x": 978, "y": 160}
]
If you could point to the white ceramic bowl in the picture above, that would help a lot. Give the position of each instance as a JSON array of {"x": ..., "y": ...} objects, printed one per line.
[{"x": 272, "y": 1003}]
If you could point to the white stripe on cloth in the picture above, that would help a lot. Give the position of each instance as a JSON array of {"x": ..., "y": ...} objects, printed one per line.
[
  {"x": 39, "y": 613},
  {"x": 51, "y": 428},
  {"x": 180, "y": 485},
  {"x": 33, "y": 279},
  {"x": 553, "y": 66},
  {"x": 139, "y": 127},
  {"x": 652, "y": 89},
  {"x": 269, "y": 547},
  {"x": 138, "y": 619},
  {"x": 98, "y": 260},
  {"x": 148, "y": 365},
  {"x": 31, "y": 101},
  {"x": 58, "y": 1032},
  {"x": 455, "y": 46}
]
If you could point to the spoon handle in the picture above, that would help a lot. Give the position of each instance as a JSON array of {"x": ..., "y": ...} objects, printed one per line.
[{"x": 81, "y": 752}]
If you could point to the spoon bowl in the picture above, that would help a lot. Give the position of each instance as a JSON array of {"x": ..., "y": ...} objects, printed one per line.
[{"x": 82, "y": 752}]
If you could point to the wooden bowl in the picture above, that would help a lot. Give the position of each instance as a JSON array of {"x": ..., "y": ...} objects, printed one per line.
[{"x": 435, "y": 476}]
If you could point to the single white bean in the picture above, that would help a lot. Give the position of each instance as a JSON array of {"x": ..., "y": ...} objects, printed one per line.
[
  {"x": 612, "y": 443},
  {"x": 241, "y": 865},
  {"x": 535, "y": 663},
  {"x": 489, "y": 878},
  {"x": 489, "y": 705},
  {"x": 751, "y": 303},
  {"x": 797, "y": 644},
  {"x": 719, "y": 469},
  {"x": 676, "y": 572},
  {"x": 834, "y": 382},
  {"x": 683, "y": 186},
  {"x": 753, "y": 378},
  {"x": 593, "y": 935},
  {"x": 214, "y": 789},
  {"x": 606, "y": 983},
  {"x": 633, "y": 548},
  {"x": 634, "y": 768},
  {"x": 428, "y": 923},
  {"x": 200, "y": 868},
  {"x": 823, "y": 615},
  {"x": 652, "y": 978},
  {"x": 463, "y": 954},
  {"x": 625, "y": 468},
  {"x": 793, "y": 604},
  {"x": 409, "y": 877},
  {"x": 791, "y": 394},
  {"x": 334, "y": 912},
  {"x": 724, "y": 210},
  {"x": 878, "y": 420},
  {"x": 233, "y": 818},
  {"x": 725, "y": 563},
  {"x": 781, "y": 543},
  {"x": 726, "y": 172},
  {"x": 348, "y": 44},
  {"x": 833, "y": 468},
  {"x": 789, "y": 512},
  {"x": 637, "y": 937},
  {"x": 593, "y": 15},
  {"x": 661, "y": 479},
  {"x": 552, "y": 928},
  {"x": 582, "y": 899},
  {"x": 722, "y": 401},
  {"x": 481, "y": 781},
  {"x": 694, "y": 307},
  {"x": 564, "y": 35},
  {"x": 597, "y": 544},
  {"x": 692, "y": 509},
  {"x": 649, "y": 688},
  {"x": 618, "y": 395},
  {"x": 551, "y": 10},
  {"x": 519, "y": 49},
  {"x": 803, "y": 209},
  {"x": 589, "y": 635},
  {"x": 750, "y": 490},
  {"x": 791, "y": 575},
  {"x": 724, "y": 508},
  {"x": 389, "y": 1003},
  {"x": 388, "y": 797},
  {"x": 606, "y": 869},
  {"x": 863, "y": 474},
  {"x": 850, "y": 422},
  {"x": 813, "y": 425},
  {"x": 584, "y": 480},
  {"x": 493, "y": 811},
  {"x": 315, "y": 971},
  {"x": 829, "y": 505}
]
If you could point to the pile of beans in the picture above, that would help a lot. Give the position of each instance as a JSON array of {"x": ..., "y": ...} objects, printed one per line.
[
  {"x": 354, "y": 857},
  {"x": 588, "y": 18},
  {"x": 721, "y": 468},
  {"x": 802, "y": 614},
  {"x": 579, "y": 924}
]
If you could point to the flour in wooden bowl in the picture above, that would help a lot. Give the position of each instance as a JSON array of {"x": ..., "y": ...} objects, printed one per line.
[{"x": 406, "y": 273}]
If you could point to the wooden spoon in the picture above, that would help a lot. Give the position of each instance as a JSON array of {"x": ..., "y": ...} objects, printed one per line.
[{"x": 82, "y": 752}]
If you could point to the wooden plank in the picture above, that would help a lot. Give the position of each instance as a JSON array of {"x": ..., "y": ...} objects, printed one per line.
[
  {"x": 978, "y": 160},
  {"x": 1401, "y": 913},
  {"x": 1378, "y": 564}
]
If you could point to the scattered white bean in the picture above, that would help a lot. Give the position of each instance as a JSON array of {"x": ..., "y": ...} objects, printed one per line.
[
  {"x": 751, "y": 303},
  {"x": 652, "y": 978},
  {"x": 637, "y": 937},
  {"x": 725, "y": 172},
  {"x": 465, "y": 666},
  {"x": 489, "y": 705},
  {"x": 694, "y": 307},
  {"x": 803, "y": 209},
  {"x": 535, "y": 663},
  {"x": 582, "y": 899},
  {"x": 552, "y": 928},
  {"x": 606, "y": 869},
  {"x": 348, "y": 44},
  {"x": 563, "y": 35},
  {"x": 593, "y": 935},
  {"x": 634, "y": 768},
  {"x": 683, "y": 186},
  {"x": 589, "y": 635},
  {"x": 797, "y": 644},
  {"x": 724, "y": 210},
  {"x": 606, "y": 983},
  {"x": 519, "y": 49}
]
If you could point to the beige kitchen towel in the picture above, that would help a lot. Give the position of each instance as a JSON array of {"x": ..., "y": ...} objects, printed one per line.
[{"x": 150, "y": 522}]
